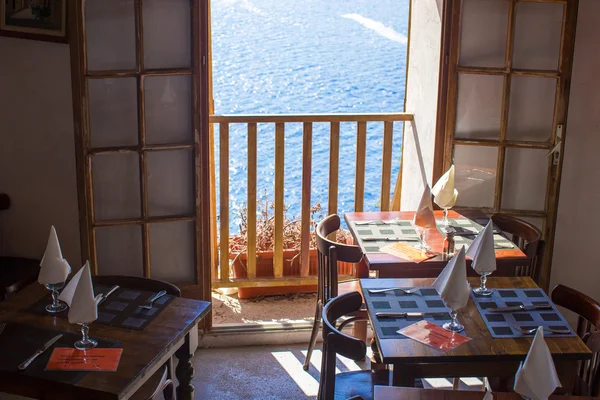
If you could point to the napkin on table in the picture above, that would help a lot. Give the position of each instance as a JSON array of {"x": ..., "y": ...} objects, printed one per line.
[
  {"x": 54, "y": 268},
  {"x": 536, "y": 377},
  {"x": 481, "y": 250},
  {"x": 79, "y": 295},
  {"x": 444, "y": 192},
  {"x": 488, "y": 396},
  {"x": 424, "y": 217},
  {"x": 452, "y": 284}
]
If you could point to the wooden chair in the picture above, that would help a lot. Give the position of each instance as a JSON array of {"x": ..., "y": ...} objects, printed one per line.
[
  {"x": 329, "y": 253},
  {"x": 15, "y": 272},
  {"x": 528, "y": 238},
  {"x": 588, "y": 328},
  {"x": 160, "y": 385},
  {"x": 346, "y": 385}
]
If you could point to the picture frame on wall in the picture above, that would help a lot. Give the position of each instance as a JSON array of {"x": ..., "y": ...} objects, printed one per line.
[{"x": 34, "y": 19}]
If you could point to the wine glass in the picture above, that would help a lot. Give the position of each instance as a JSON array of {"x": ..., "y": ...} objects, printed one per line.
[
  {"x": 454, "y": 325},
  {"x": 422, "y": 244},
  {"x": 57, "y": 305},
  {"x": 85, "y": 343},
  {"x": 482, "y": 290}
]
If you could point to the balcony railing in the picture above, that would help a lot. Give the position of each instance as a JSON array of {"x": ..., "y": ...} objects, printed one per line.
[{"x": 221, "y": 265}]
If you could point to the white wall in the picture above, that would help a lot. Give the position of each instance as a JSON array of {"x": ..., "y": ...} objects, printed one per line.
[
  {"x": 422, "y": 96},
  {"x": 37, "y": 157},
  {"x": 575, "y": 261}
]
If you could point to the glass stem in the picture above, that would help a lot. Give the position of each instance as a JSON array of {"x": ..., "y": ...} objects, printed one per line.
[
  {"x": 453, "y": 315},
  {"x": 55, "y": 302},
  {"x": 483, "y": 281},
  {"x": 422, "y": 238},
  {"x": 84, "y": 331},
  {"x": 445, "y": 214}
]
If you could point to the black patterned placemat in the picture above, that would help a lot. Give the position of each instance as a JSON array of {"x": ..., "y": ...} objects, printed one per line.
[
  {"x": 502, "y": 325},
  {"x": 19, "y": 341},
  {"x": 120, "y": 309},
  {"x": 404, "y": 231},
  {"x": 428, "y": 300}
]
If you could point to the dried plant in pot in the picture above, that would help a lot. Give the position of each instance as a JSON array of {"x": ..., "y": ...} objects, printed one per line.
[{"x": 265, "y": 242}]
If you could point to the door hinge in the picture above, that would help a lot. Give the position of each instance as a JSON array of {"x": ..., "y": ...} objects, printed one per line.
[
  {"x": 203, "y": 60},
  {"x": 555, "y": 152}
]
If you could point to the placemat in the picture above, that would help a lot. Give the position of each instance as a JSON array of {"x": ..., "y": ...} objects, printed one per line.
[
  {"x": 406, "y": 232},
  {"x": 398, "y": 301},
  {"x": 120, "y": 309},
  {"x": 20, "y": 341},
  {"x": 501, "y": 325}
]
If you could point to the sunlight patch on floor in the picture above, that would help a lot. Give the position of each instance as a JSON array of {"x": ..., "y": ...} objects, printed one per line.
[
  {"x": 293, "y": 367},
  {"x": 438, "y": 383},
  {"x": 316, "y": 359}
]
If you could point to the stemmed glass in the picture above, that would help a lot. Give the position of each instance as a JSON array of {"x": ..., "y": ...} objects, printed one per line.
[
  {"x": 422, "y": 244},
  {"x": 482, "y": 290},
  {"x": 85, "y": 343},
  {"x": 57, "y": 305},
  {"x": 454, "y": 325}
]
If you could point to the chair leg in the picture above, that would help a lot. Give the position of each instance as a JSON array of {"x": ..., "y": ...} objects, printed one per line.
[{"x": 313, "y": 335}]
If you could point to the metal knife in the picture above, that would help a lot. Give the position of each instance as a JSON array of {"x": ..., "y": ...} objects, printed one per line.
[
  {"x": 111, "y": 291},
  {"x": 521, "y": 308},
  {"x": 38, "y": 352},
  {"x": 388, "y": 239},
  {"x": 384, "y": 314}
]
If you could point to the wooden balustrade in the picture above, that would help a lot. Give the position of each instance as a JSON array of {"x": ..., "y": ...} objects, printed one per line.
[{"x": 221, "y": 271}]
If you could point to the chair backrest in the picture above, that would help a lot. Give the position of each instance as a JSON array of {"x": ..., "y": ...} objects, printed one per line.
[
  {"x": 336, "y": 342},
  {"x": 588, "y": 328},
  {"x": 528, "y": 238},
  {"x": 329, "y": 253},
  {"x": 135, "y": 282}
]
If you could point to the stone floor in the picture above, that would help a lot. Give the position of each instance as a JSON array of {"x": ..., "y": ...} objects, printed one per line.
[{"x": 273, "y": 373}]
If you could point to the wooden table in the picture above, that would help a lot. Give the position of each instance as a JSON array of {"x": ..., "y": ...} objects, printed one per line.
[
  {"x": 482, "y": 355},
  {"x": 389, "y": 266},
  {"x": 397, "y": 393},
  {"x": 144, "y": 351}
]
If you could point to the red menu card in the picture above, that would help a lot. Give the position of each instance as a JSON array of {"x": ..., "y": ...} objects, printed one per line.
[
  {"x": 434, "y": 335},
  {"x": 70, "y": 359}
]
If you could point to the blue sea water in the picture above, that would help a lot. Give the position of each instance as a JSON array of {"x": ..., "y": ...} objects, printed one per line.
[{"x": 309, "y": 56}]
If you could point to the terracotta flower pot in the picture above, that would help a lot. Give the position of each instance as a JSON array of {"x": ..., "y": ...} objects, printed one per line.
[{"x": 291, "y": 268}]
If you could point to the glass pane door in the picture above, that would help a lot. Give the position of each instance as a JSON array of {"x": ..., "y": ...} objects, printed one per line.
[
  {"x": 139, "y": 81},
  {"x": 510, "y": 65}
]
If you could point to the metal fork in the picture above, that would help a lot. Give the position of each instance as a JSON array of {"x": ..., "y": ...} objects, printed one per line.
[
  {"x": 2, "y": 326},
  {"x": 148, "y": 305},
  {"x": 534, "y": 330},
  {"x": 414, "y": 290}
]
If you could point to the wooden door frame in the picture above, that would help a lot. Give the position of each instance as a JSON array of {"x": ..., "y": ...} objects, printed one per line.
[
  {"x": 447, "y": 103},
  {"x": 199, "y": 19}
]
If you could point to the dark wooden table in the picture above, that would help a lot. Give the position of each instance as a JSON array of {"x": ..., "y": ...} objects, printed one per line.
[
  {"x": 389, "y": 266},
  {"x": 397, "y": 393},
  {"x": 144, "y": 351},
  {"x": 482, "y": 355}
]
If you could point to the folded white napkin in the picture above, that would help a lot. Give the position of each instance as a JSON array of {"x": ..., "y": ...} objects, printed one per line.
[
  {"x": 424, "y": 217},
  {"x": 481, "y": 251},
  {"x": 443, "y": 191},
  {"x": 488, "y": 396},
  {"x": 452, "y": 284},
  {"x": 54, "y": 268},
  {"x": 79, "y": 295},
  {"x": 536, "y": 377}
]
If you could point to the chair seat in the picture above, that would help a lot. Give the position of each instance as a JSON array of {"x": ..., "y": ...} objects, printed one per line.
[
  {"x": 359, "y": 383},
  {"x": 16, "y": 273}
]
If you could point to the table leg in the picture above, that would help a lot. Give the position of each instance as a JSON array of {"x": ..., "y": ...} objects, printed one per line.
[
  {"x": 185, "y": 371},
  {"x": 402, "y": 377}
]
